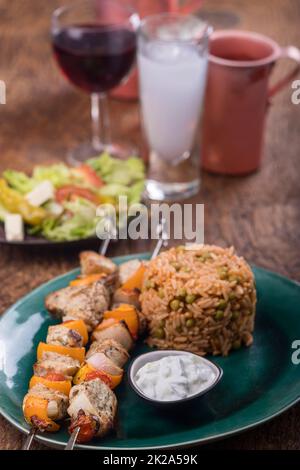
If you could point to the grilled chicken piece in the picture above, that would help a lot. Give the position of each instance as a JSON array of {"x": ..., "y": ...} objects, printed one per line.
[
  {"x": 93, "y": 263},
  {"x": 57, "y": 401},
  {"x": 63, "y": 336},
  {"x": 112, "y": 349},
  {"x": 118, "y": 331},
  {"x": 93, "y": 407},
  {"x": 127, "y": 296},
  {"x": 80, "y": 302},
  {"x": 126, "y": 270},
  {"x": 57, "y": 363}
]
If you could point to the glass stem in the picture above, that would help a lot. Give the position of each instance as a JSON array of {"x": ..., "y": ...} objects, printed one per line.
[{"x": 100, "y": 121}]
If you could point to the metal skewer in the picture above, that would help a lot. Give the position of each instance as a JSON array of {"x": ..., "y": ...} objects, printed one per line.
[
  {"x": 29, "y": 439},
  {"x": 162, "y": 238},
  {"x": 73, "y": 438},
  {"x": 162, "y": 241}
]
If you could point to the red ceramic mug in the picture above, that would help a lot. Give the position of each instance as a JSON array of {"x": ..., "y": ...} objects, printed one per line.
[{"x": 237, "y": 98}]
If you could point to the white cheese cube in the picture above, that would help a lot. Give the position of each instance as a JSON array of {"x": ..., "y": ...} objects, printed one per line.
[
  {"x": 41, "y": 193},
  {"x": 14, "y": 227}
]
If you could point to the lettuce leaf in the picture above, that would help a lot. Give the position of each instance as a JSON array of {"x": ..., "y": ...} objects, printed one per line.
[
  {"x": 19, "y": 181},
  {"x": 81, "y": 224},
  {"x": 3, "y": 213},
  {"x": 59, "y": 174},
  {"x": 115, "y": 171}
]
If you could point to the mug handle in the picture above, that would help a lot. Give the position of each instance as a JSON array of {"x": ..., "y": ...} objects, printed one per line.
[{"x": 289, "y": 52}]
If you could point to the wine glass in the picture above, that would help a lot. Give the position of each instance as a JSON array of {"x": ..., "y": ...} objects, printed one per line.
[{"x": 94, "y": 43}]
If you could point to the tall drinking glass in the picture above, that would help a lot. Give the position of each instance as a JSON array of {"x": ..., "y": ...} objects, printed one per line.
[
  {"x": 94, "y": 43},
  {"x": 172, "y": 60}
]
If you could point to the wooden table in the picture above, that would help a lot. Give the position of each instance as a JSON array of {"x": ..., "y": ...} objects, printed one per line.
[{"x": 259, "y": 214}]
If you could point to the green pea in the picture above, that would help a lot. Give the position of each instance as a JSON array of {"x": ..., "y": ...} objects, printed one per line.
[
  {"x": 237, "y": 344},
  {"x": 223, "y": 273},
  {"x": 176, "y": 265},
  {"x": 181, "y": 293},
  {"x": 206, "y": 255},
  {"x": 235, "y": 315},
  {"x": 149, "y": 284},
  {"x": 222, "y": 305},
  {"x": 234, "y": 278},
  {"x": 174, "y": 304},
  {"x": 232, "y": 296},
  {"x": 161, "y": 293},
  {"x": 186, "y": 269},
  {"x": 190, "y": 298},
  {"x": 159, "y": 333},
  {"x": 219, "y": 315},
  {"x": 190, "y": 323}
]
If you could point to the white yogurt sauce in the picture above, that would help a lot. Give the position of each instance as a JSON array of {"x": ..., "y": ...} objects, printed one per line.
[{"x": 174, "y": 377}]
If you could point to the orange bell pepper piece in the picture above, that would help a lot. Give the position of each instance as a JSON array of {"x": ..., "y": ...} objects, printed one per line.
[
  {"x": 63, "y": 386},
  {"x": 36, "y": 413},
  {"x": 87, "y": 280},
  {"x": 80, "y": 327},
  {"x": 126, "y": 313},
  {"x": 136, "y": 280},
  {"x": 76, "y": 353}
]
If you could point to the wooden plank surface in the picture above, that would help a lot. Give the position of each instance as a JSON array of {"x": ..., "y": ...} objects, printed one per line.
[{"x": 259, "y": 214}]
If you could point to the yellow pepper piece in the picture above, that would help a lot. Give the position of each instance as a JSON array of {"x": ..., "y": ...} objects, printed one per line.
[
  {"x": 63, "y": 386},
  {"x": 76, "y": 353},
  {"x": 37, "y": 407},
  {"x": 15, "y": 203}
]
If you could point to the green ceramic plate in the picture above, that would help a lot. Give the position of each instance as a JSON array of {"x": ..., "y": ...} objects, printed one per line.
[{"x": 258, "y": 383}]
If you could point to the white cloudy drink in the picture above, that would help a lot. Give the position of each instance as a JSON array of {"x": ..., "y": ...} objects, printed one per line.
[
  {"x": 172, "y": 61},
  {"x": 172, "y": 82}
]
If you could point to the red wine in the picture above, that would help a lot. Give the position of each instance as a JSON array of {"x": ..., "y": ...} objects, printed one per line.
[{"x": 93, "y": 57}]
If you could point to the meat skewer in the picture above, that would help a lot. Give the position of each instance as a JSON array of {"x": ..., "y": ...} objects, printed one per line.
[
  {"x": 113, "y": 336},
  {"x": 93, "y": 404},
  {"x": 69, "y": 338},
  {"x": 112, "y": 328}
]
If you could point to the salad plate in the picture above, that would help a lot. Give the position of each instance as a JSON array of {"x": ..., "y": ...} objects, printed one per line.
[
  {"x": 258, "y": 384},
  {"x": 57, "y": 204}
]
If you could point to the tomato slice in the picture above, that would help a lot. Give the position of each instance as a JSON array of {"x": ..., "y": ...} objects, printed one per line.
[
  {"x": 68, "y": 193},
  {"x": 53, "y": 376},
  {"x": 98, "y": 374},
  {"x": 89, "y": 175}
]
